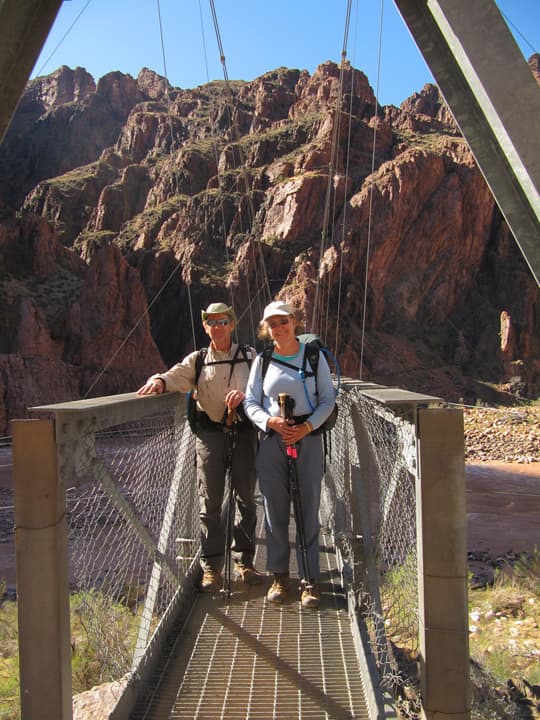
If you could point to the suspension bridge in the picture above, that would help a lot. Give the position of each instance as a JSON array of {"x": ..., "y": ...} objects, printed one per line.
[
  {"x": 106, "y": 506},
  {"x": 105, "y": 497}
]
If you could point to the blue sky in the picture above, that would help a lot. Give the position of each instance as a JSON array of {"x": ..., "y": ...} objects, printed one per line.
[{"x": 257, "y": 36}]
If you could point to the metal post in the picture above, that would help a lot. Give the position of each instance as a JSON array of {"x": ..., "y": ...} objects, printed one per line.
[
  {"x": 42, "y": 573},
  {"x": 483, "y": 83},
  {"x": 24, "y": 26},
  {"x": 442, "y": 565}
]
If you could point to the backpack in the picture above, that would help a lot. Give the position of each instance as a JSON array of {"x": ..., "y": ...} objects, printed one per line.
[
  {"x": 312, "y": 350},
  {"x": 199, "y": 420}
]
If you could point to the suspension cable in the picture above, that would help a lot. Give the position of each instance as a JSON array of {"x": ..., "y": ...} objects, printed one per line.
[
  {"x": 222, "y": 191},
  {"x": 130, "y": 333},
  {"x": 64, "y": 36},
  {"x": 518, "y": 31},
  {"x": 331, "y": 167},
  {"x": 203, "y": 38},
  {"x": 169, "y": 116},
  {"x": 335, "y": 162},
  {"x": 370, "y": 210},
  {"x": 344, "y": 216},
  {"x": 178, "y": 264},
  {"x": 220, "y": 44},
  {"x": 251, "y": 209},
  {"x": 221, "y": 188},
  {"x": 167, "y": 87}
]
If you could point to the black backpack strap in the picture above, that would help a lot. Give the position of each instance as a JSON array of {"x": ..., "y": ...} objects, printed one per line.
[
  {"x": 199, "y": 362},
  {"x": 267, "y": 358},
  {"x": 245, "y": 350},
  {"x": 303, "y": 373},
  {"x": 266, "y": 355},
  {"x": 233, "y": 363},
  {"x": 311, "y": 354}
]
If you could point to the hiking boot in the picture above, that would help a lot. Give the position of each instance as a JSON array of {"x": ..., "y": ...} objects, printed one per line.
[
  {"x": 279, "y": 589},
  {"x": 247, "y": 573},
  {"x": 211, "y": 581},
  {"x": 311, "y": 597}
]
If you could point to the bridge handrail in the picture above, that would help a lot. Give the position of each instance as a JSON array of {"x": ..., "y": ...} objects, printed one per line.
[
  {"x": 393, "y": 497},
  {"x": 80, "y": 454}
]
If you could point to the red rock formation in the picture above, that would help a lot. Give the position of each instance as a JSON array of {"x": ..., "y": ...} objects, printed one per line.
[
  {"x": 115, "y": 331},
  {"x": 426, "y": 110},
  {"x": 63, "y": 322},
  {"x": 147, "y": 193},
  {"x": 275, "y": 93},
  {"x": 59, "y": 88},
  {"x": 294, "y": 209},
  {"x": 320, "y": 92}
]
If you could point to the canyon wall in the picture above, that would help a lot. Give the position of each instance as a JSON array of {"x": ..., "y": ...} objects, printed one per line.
[{"x": 128, "y": 205}]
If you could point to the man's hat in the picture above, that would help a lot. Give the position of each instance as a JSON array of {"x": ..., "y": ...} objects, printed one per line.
[{"x": 218, "y": 309}]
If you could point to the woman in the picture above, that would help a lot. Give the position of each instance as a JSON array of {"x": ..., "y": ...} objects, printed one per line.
[{"x": 312, "y": 402}]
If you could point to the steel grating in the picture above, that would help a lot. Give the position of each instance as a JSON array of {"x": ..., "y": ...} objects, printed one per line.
[{"x": 244, "y": 658}]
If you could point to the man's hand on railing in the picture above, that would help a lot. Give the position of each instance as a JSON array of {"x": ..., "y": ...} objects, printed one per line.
[{"x": 153, "y": 386}]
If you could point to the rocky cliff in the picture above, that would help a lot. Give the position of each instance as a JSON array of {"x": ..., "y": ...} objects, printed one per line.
[{"x": 125, "y": 203}]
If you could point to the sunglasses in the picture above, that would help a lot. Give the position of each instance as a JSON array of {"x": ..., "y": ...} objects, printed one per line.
[
  {"x": 277, "y": 323},
  {"x": 218, "y": 322}
]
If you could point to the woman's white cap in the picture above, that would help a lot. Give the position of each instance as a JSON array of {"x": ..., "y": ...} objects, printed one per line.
[{"x": 277, "y": 308}]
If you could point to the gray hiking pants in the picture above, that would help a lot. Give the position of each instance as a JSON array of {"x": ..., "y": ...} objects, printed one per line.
[
  {"x": 212, "y": 450},
  {"x": 273, "y": 473}
]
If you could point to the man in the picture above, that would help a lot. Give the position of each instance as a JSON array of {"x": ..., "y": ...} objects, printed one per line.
[{"x": 218, "y": 375}]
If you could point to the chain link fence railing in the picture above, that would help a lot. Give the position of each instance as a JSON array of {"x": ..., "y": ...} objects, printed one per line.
[
  {"x": 369, "y": 504},
  {"x": 128, "y": 468},
  {"x": 133, "y": 534},
  {"x": 6, "y": 507}
]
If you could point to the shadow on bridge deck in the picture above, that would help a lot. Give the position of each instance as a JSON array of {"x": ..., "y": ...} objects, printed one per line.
[{"x": 242, "y": 657}]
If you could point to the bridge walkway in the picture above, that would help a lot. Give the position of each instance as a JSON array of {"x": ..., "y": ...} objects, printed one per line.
[{"x": 243, "y": 657}]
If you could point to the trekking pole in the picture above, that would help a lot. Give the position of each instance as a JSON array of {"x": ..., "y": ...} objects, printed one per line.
[
  {"x": 230, "y": 429},
  {"x": 286, "y": 404}
]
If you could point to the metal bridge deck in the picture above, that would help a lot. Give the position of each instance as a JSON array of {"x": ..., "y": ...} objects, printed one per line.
[{"x": 242, "y": 657}]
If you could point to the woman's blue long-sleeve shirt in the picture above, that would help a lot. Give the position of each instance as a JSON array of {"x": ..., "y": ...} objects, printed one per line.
[{"x": 261, "y": 400}]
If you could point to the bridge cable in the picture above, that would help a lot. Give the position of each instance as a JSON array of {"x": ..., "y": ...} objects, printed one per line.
[
  {"x": 178, "y": 264},
  {"x": 243, "y": 171},
  {"x": 315, "y": 321},
  {"x": 64, "y": 36},
  {"x": 260, "y": 265},
  {"x": 223, "y": 193},
  {"x": 518, "y": 31},
  {"x": 343, "y": 219},
  {"x": 344, "y": 213},
  {"x": 171, "y": 154},
  {"x": 215, "y": 148},
  {"x": 222, "y": 188},
  {"x": 370, "y": 208},
  {"x": 167, "y": 91},
  {"x": 135, "y": 326},
  {"x": 345, "y": 190}
]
